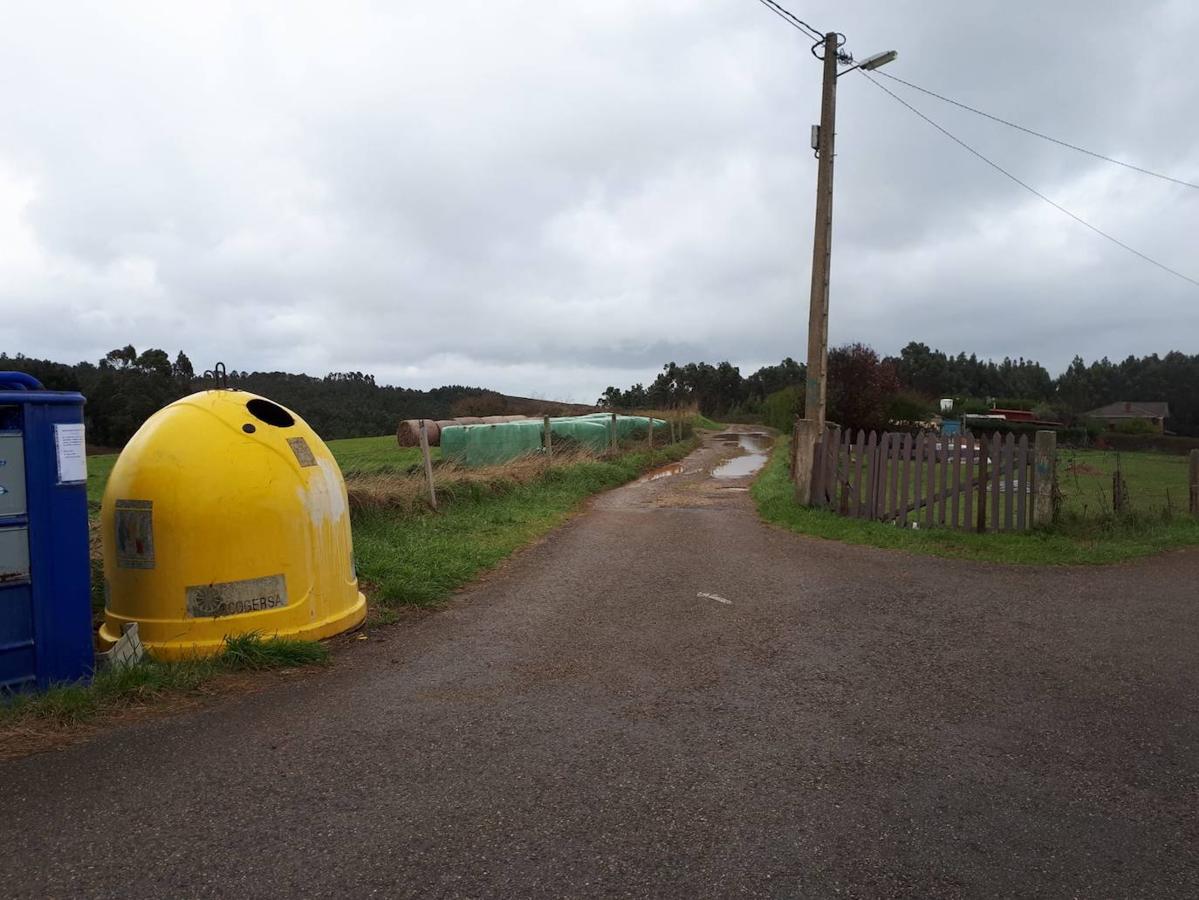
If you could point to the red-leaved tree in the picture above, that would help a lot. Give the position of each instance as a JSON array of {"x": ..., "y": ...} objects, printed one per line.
[{"x": 860, "y": 387}]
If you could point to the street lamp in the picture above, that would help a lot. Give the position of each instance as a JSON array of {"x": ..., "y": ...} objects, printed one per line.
[
  {"x": 816, "y": 390},
  {"x": 870, "y": 63}
]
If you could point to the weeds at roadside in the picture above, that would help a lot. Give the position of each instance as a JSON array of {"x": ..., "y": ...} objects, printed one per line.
[
  {"x": 114, "y": 689},
  {"x": 253, "y": 652}
]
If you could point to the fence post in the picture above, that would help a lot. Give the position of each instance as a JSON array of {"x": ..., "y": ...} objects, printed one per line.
[
  {"x": 549, "y": 438},
  {"x": 612, "y": 436},
  {"x": 984, "y": 449},
  {"x": 804, "y": 453},
  {"x": 424, "y": 450},
  {"x": 1044, "y": 510},
  {"x": 650, "y": 439},
  {"x": 1195, "y": 483}
]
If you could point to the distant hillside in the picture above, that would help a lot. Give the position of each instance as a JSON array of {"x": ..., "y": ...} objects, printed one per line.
[
  {"x": 527, "y": 406},
  {"x": 126, "y": 387}
]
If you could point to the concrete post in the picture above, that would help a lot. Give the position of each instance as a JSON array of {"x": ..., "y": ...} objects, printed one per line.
[
  {"x": 816, "y": 391},
  {"x": 1195, "y": 483},
  {"x": 1044, "y": 509},
  {"x": 807, "y": 431}
]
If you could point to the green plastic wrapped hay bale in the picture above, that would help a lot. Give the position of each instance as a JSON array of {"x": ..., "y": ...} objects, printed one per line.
[
  {"x": 489, "y": 445},
  {"x": 589, "y": 433}
]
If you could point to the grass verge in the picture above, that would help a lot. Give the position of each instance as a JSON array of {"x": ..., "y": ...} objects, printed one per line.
[
  {"x": 1077, "y": 540},
  {"x": 119, "y": 689}
]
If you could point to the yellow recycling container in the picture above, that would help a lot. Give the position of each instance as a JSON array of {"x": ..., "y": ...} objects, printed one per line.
[{"x": 226, "y": 514}]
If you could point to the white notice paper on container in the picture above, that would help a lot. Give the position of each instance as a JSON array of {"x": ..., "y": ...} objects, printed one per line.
[{"x": 72, "y": 456}]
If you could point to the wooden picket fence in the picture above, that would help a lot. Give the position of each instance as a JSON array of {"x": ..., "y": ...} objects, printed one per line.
[{"x": 949, "y": 481}]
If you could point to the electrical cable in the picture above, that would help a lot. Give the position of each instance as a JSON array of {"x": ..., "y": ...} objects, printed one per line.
[
  {"x": 791, "y": 19},
  {"x": 1045, "y": 137},
  {"x": 1030, "y": 188}
]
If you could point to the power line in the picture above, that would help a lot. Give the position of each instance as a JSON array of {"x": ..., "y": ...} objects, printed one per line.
[
  {"x": 791, "y": 19},
  {"x": 1030, "y": 188},
  {"x": 1045, "y": 137}
]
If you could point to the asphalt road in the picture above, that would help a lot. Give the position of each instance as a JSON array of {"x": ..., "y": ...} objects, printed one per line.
[{"x": 586, "y": 722}]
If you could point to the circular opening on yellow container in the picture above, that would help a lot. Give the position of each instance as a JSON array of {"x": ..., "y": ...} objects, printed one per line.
[{"x": 271, "y": 413}]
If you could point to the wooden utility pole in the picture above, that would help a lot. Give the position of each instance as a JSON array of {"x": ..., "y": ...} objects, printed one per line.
[{"x": 822, "y": 243}]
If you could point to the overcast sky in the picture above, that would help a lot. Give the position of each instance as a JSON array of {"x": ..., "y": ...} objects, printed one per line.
[{"x": 550, "y": 197}]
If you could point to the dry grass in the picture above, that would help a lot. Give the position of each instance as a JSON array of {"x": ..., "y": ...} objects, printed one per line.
[{"x": 409, "y": 493}]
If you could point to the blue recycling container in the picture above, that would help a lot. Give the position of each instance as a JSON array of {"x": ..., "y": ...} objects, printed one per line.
[{"x": 45, "y": 601}]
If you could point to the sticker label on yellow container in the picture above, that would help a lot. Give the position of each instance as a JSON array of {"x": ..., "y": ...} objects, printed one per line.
[
  {"x": 135, "y": 534},
  {"x": 303, "y": 452},
  {"x": 231, "y": 598}
]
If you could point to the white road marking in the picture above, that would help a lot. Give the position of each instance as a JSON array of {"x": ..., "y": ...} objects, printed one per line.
[{"x": 715, "y": 597}]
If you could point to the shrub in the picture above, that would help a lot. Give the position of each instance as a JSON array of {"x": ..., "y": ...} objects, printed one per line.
[
  {"x": 780, "y": 408},
  {"x": 908, "y": 408},
  {"x": 966, "y": 406},
  {"x": 1111, "y": 440},
  {"x": 1135, "y": 426}
]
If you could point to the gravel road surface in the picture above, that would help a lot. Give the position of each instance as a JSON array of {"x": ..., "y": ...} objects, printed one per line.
[{"x": 668, "y": 698}]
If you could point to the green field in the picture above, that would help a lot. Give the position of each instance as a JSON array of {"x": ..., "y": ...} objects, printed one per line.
[
  {"x": 1087, "y": 534},
  {"x": 1156, "y": 481}
]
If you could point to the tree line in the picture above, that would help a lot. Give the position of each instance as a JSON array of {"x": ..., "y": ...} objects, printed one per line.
[
  {"x": 869, "y": 391},
  {"x": 126, "y": 387}
]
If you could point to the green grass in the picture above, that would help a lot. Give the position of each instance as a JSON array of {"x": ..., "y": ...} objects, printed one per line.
[
  {"x": 114, "y": 689},
  {"x": 1156, "y": 481},
  {"x": 252, "y": 651},
  {"x": 98, "y": 470},
  {"x": 420, "y": 559},
  {"x": 1077, "y": 540},
  {"x": 372, "y": 455}
]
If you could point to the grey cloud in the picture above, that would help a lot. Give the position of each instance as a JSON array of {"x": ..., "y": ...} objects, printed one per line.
[{"x": 549, "y": 198}]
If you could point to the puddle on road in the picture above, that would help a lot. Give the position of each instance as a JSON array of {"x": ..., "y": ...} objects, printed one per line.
[
  {"x": 662, "y": 472},
  {"x": 757, "y": 447},
  {"x": 757, "y": 450}
]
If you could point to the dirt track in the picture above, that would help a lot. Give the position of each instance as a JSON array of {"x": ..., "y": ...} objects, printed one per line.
[{"x": 669, "y": 698}]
